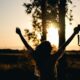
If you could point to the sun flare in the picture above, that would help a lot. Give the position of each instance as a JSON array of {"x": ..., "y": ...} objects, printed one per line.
[{"x": 52, "y": 35}]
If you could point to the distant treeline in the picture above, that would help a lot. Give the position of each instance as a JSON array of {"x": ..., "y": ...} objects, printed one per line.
[
  {"x": 11, "y": 51},
  {"x": 73, "y": 52},
  {"x": 23, "y": 51},
  {"x": 9, "y": 56}
]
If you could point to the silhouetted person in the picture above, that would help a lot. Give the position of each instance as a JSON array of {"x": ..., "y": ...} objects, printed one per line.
[
  {"x": 62, "y": 68},
  {"x": 41, "y": 54}
]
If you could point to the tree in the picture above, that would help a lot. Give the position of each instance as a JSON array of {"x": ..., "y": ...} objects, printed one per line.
[
  {"x": 62, "y": 14},
  {"x": 42, "y": 13},
  {"x": 45, "y": 11}
]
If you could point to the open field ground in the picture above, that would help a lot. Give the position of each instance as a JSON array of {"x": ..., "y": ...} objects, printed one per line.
[{"x": 18, "y": 66}]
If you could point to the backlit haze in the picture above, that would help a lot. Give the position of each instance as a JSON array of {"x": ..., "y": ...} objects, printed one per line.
[{"x": 12, "y": 15}]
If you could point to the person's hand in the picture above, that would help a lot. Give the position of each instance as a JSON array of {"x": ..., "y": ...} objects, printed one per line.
[
  {"x": 18, "y": 31},
  {"x": 77, "y": 29}
]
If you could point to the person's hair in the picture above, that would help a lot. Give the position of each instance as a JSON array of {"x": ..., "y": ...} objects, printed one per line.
[{"x": 43, "y": 49}]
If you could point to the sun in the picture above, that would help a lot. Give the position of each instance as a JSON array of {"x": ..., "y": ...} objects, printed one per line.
[{"x": 52, "y": 35}]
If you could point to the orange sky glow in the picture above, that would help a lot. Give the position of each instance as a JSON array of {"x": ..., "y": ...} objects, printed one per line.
[{"x": 13, "y": 15}]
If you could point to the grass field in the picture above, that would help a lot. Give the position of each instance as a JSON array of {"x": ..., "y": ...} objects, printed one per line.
[{"x": 18, "y": 66}]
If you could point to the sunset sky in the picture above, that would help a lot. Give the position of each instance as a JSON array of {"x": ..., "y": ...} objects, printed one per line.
[{"x": 12, "y": 15}]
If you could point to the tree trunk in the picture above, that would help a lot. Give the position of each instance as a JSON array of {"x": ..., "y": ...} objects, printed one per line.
[
  {"x": 43, "y": 9},
  {"x": 62, "y": 12}
]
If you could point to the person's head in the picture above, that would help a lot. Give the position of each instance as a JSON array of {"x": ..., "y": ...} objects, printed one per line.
[{"x": 44, "y": 48}]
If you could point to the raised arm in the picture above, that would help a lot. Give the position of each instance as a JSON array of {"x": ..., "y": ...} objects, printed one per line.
[
  {"x": 18, "y": 31},
  {"x": 62, "y": 48}
]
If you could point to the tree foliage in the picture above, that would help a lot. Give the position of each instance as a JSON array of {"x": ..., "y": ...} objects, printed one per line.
[{"x": 52, "y": 14}]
